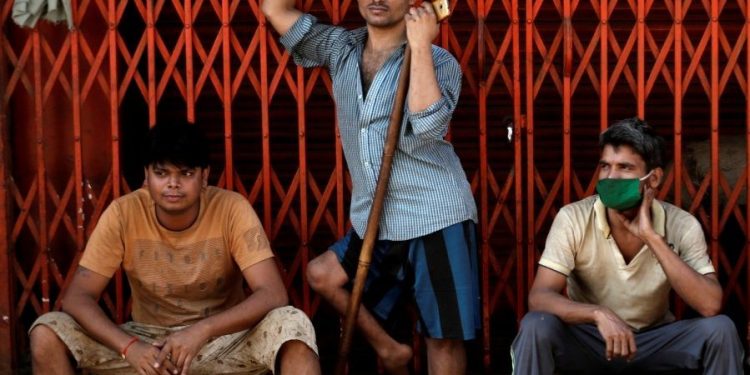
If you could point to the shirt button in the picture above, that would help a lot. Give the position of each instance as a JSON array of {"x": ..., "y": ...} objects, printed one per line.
[
  {"x": 363, "y": 130},
  {"x": 359, "y": 97},
  {"x": 367, "y": 164}
]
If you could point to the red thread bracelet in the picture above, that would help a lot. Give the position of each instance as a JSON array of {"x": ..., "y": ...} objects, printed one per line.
[{"x": 125, "y": 349}]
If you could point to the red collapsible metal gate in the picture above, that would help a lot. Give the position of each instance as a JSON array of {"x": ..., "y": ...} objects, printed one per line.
[{"x": 541, "y": 80}]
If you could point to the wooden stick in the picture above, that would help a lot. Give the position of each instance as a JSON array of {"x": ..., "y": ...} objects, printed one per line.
[{"x": 373, "y": 221}]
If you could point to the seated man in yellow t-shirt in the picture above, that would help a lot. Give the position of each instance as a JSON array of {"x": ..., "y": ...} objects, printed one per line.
[
  {"x": 620, "y": 253},
  {"x": 186, "y": 248}
]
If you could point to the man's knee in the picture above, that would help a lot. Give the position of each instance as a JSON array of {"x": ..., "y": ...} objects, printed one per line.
[
  {"x": 719, "y": 330},
  {"x": 291, "y": 316},
  {"x": 315, "y": 274},
  {"x": 44, "y": 341},
  {"x": 324, "y": 271},
  {"x": 292, "y": 323},
  {"x": 540, "y": 325},
  {"x": 285, "y": 330},
  {"x": 438, "y": 349}
]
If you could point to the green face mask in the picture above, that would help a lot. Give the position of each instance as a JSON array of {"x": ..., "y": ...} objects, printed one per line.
[{"x": 620, "y": 193}]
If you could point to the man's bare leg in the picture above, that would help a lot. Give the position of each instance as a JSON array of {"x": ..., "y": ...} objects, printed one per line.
[
  {"x": 295, "y": 357},
  {"x": 446, "y": 356},
  {"x": 49, "y": 355},
  {"x": 327, "y": 277}
]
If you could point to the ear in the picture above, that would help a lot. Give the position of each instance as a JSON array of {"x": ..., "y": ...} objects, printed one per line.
[
  {"x": 656, "y": 176},
  {"x": 145, "y": 176},
  {"x": 206, "y": 172}
]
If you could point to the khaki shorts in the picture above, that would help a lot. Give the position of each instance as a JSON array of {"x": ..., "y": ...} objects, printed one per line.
[{"x": 246, "y": 352}]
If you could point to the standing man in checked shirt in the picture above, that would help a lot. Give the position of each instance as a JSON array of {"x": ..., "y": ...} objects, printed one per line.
[{"x": 426, "y": 244}]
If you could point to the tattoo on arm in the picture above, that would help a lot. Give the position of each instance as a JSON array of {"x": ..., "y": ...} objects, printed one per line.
[{"x": 83, "y": 271}]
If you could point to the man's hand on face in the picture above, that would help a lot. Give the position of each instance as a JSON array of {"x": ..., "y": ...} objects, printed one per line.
[
  {"x": 421, "y": 26},
  {"x": 619, "y": 339},
  {"x": 181, "y": 347},
  {"x": 641, "y": 226},
  {"x": 142, "y": 357}
]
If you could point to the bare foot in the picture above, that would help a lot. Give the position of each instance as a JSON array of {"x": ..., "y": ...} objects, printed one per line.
[{"x": 396, "y": 359}]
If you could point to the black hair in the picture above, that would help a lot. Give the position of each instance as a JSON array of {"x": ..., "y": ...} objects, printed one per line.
[
  {"x": 638, "y": 135},
  {"x": 179, "y": 143}
]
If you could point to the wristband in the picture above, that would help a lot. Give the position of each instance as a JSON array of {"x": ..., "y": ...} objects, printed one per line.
[{"x": 125, "y": 349}]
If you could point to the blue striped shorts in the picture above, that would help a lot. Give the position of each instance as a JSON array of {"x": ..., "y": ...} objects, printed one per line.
[{"x": 439, "y": 270}]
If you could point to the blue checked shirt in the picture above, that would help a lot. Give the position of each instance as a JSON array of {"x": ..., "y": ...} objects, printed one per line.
[{"x": 428, "y": 190}]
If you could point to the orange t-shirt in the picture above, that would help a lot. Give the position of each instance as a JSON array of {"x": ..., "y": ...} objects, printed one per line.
[{"x": 179, "y": 277}]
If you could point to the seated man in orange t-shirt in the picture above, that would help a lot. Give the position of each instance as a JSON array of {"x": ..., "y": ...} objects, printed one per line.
[{"x": 186, "y": 248}]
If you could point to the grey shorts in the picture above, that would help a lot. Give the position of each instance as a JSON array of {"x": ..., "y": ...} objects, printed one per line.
[{"x": 247, "y": 352}]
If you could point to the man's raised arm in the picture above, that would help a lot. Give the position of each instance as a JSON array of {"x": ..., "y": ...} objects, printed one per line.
[{"x": 281, "y": 13}]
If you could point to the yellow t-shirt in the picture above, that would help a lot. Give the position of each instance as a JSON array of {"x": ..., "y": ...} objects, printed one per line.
[
  {"x": 579, "y": 246},
  {"x": 179, "y": 277}
]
